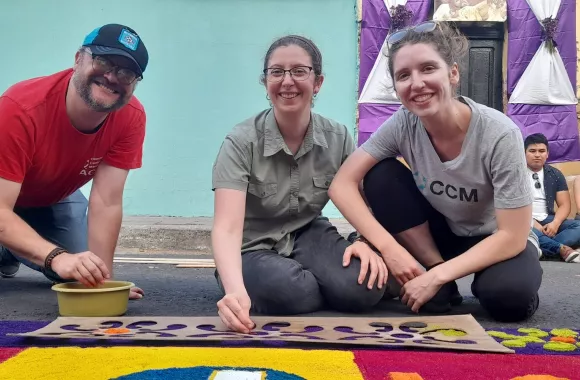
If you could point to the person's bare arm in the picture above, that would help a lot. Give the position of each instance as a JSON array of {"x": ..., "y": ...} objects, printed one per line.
[
  {"x": 577, "y": 193},
  {"x": 510, "y": 239},
  {"x": 538, "y": 226},
  {"x": 346, "y": 193},
  {"x": 227, "y": 232},
  {"x": 105, "y": 212},
  {"x": 15, "y": 233},
  {"x": 226, "y": 237},
  {"x": 564, "y": 206}
]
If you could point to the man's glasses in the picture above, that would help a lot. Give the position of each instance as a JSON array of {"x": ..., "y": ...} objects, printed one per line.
[
  {"x": 425, "y": 27},
  {"x": 103, "y": 66},
  {"x": 299, "y": 73},
  {"x": 538, "y": 185}
]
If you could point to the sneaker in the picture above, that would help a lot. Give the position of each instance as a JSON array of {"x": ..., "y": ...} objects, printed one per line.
[
  {"x": 9, "y": 266},
  {"x": 570, "y": 255}
]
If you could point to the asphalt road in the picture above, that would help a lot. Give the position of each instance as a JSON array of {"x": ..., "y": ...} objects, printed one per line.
[{"x": 171, "y": 291}]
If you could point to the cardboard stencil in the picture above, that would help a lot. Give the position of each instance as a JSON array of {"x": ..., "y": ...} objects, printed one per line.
[{"x": 455, "y": 332}]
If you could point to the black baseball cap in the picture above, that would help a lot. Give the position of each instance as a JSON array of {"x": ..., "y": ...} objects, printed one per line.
[{"x": 116, "y": 39}]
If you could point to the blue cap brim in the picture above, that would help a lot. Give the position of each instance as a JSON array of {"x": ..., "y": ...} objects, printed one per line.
[{"x": 105, "y": 50}]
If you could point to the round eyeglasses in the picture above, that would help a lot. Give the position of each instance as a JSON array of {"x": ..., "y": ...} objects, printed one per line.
[{"x": 299, "y": 73}]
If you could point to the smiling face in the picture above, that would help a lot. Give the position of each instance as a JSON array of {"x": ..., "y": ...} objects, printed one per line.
[
  {"x": 291, "y": 93},
  {"x": 102, "y": 92},
  {"x": 423, "y": 81}
]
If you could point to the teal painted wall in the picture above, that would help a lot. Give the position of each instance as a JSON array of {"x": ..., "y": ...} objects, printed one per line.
[{"x": 205, "y": 61}]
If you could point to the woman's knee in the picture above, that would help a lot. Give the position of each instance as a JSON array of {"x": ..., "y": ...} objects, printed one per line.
[
  {"x": 509, "y": 301},
  {"x": 288, "y": 297},
  {"x": 347, "y": 295},
  {"x": 283, "y": 290},
  {"x": 380, "y": 177},
  {"x": 509, "y": 290}
]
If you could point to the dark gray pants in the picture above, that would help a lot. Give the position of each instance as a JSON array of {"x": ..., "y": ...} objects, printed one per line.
[{"x": 311, "y": 278}]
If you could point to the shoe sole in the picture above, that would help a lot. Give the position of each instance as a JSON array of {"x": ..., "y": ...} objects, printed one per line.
[
  {"x": 571, "y": 257},
  {"x": 10, "y": 275}
]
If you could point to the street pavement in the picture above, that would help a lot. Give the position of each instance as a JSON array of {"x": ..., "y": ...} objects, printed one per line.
[{"x": 171, "y": 291}]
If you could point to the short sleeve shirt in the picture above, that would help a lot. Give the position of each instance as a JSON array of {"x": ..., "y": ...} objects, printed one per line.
[
  {"x": 284, "y": 192},
  {"x": 46, "y": 154},
  {"x": 489, "y": 173}
]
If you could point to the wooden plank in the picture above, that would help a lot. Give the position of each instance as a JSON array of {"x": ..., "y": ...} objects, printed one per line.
[
  {"x": 160, "y": 259},
  {"x": 195, "y": 266},
  {"x": 123, "y": 260}
]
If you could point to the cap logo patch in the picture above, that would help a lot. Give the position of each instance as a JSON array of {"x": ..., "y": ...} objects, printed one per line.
[{"x": 129, "y": 39}]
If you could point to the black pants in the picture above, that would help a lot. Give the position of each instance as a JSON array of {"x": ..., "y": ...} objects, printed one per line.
[{"x": 507, "y": 290}]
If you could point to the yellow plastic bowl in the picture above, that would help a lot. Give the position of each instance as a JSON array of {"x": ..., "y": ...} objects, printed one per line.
[{"x": 108, "y": 300}]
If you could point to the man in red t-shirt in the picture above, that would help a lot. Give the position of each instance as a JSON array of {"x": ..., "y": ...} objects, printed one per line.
[{"x": 56, "y": 134}]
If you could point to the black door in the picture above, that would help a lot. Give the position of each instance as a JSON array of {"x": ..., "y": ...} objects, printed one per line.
[{"x": 481, "y": 68}]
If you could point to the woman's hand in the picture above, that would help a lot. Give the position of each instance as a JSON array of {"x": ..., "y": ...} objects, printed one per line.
[
  {"x": 368, "y": 260},
  {"x": 420, "y": 290},
  {"x": 401, "y": 264},
  {"x": 234, "y": 311}
]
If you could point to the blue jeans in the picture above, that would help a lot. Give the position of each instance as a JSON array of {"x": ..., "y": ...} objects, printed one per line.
[
  {"x": 64, "y": 224},
  {"x": 568, "y": 234}
]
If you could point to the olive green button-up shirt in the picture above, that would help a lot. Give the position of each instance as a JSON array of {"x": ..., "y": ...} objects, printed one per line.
[{"x": 284, "y": 192}]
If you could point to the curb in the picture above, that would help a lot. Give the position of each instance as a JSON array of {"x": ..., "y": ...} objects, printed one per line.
[{"x": 183, "y": 234}]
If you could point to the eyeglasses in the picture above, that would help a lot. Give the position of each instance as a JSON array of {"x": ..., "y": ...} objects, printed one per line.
[
  {"x": 425, "y": 27},
  {"x": 538, "y": 185},
  {"x": 276, "y": 74},
  {"x": 103, "y": 66}
]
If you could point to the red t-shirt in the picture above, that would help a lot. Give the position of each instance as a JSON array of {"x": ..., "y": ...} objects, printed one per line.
[{"x": 42, "y": 150}]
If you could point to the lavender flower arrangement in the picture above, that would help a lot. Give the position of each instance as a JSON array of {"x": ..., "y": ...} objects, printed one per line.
[
  {"x": 400, "y": 16},
  {"x": 550, "y": 25}
]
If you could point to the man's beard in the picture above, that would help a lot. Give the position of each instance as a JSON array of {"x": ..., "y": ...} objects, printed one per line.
[{"x": 83, "y": 87}]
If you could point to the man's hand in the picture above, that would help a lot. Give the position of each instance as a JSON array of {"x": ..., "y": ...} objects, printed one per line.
[
  {"x": 420, "y": 290},
  {"x": 136, "y": 293},
  {"x": 368, "y": 259},
  {"x": 86, "y": 268},
  {"x": 234, "y": 311},
  {"x": 551, "y": 229},
  {"x": 401, "y": 264}
]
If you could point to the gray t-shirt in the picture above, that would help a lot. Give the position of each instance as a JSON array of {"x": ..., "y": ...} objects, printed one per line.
[{"x": 489, "y": 173}]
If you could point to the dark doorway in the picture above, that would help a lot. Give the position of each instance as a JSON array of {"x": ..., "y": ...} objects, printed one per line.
[{"x": 481, "y": 69}]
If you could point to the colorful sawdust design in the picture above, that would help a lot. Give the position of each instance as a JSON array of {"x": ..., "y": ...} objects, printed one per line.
[
  {"x": 558, "y": 341},
  {"x": 540, "y": 355},
  {"x": 149, "y": 363}
]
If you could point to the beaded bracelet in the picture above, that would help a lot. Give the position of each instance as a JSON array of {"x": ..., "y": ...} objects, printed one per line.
[{"x": 55, "y": 252}]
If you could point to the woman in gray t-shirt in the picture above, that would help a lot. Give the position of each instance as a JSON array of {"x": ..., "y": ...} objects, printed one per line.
[{"x": 464, "y": 206}]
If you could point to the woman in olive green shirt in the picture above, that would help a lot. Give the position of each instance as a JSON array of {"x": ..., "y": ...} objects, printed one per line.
[{"x": 271, "y": 178}]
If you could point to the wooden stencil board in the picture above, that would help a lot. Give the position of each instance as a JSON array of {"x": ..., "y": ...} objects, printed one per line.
[{"x": 455, "y": 332}]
